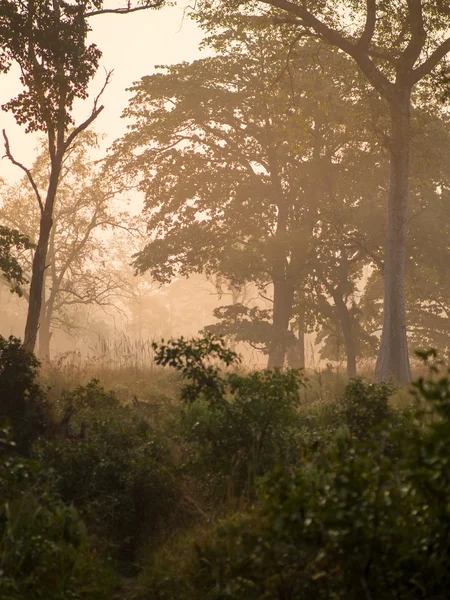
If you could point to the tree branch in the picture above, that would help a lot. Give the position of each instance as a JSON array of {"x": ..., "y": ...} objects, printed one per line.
[
  {"x": 27, "y": 171},
  {"x": 418, "y": 35},
  {"x": 333, "y": 37},
  {"x": 82, "y": 126},
  {"x": 125, "y": 10},
  {"x": 369, "y": 28},
  {"x": 432, "y": 61},
  {"x": 95, "y": 112}
]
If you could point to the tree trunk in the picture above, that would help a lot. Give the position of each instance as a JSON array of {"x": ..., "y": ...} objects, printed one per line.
[
  {"x": 348, "y": 334},
  {"x": 283, "y": 300},
  {"x": 45, "y": 336},
  {"x": 393, "y": 361},
  {"x": 296, "y": 354},
  {"x": 40, "y": 258},
  {"x": 44, "y": 326}
]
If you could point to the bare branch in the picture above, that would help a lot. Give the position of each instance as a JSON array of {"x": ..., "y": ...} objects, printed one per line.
[
  {"x": 99, "y": 95},
  {"x": 95, "y": 112},
  {"x": 24, "y": 169}
]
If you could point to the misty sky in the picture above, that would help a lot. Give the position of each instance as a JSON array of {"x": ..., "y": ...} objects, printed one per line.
[{"x": 132, "y": 45}]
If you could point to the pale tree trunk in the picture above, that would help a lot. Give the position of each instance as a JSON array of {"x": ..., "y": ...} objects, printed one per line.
[{"x": 393, "y": 361}]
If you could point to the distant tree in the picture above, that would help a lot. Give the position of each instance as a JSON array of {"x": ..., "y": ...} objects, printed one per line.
[
  {"x": 79, "y": 270},
  {"x": 397, "y": 45},
  {"x": 47, "y": 39}
]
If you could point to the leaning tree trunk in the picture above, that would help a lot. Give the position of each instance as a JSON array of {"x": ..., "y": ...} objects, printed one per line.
[
  {"x": 40, "y": 258},
  {"x": 283, "y": 300},
  {"x": 393, "y": 360}
]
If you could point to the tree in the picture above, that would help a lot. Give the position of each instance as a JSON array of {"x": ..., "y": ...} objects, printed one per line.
[
  {"x": 396, "y": 44},
  {"x": 230, "y": 153},
  {"x": 428, "y": 254},
  {"x": 79, "y": 270},
  {"x": 47, "y": 39}
]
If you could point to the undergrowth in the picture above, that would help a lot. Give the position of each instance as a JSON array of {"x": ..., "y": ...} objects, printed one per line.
[{"x": 203, "y": 481}]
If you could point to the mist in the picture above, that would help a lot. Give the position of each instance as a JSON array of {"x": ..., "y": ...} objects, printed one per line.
[{"x": 225, "y": 310}]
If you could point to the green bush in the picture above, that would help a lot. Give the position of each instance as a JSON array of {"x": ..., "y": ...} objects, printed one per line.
[
  {"x": 119, "y": 476},
  {"x": 243, "y": 425},
  {"x": 366, "y": 406},
  {"x": 354, "y": 524},
  {"x": 90, "y": 398},
  {"x": 22, "y": 401},
  {"x": 45, "y": 552}
]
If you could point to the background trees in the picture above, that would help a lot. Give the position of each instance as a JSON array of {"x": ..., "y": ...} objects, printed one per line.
[
  {"x": 80, "y": 269},
  {"x": 48, "y": 41},
  {"x": 243, "y": 160},
  {"x": 396, "y": 45}
]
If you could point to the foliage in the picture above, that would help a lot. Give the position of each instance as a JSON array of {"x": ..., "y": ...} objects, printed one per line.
[
  {"x": 22, "y": 401},
  {"x": 194, "y": 360},
  {"x": 244, "y": 142},
  {"x": 91, "y": 398},
  {"x": 45, "y": 551},
  {"x": 10, "y": 267},
  {"x": 365, "y": 407},
  {"x": 243, "y": 425},
  {"x": 118, "y": 476},
  {"x": 46, "y": 44},
  {"x": 350, "y": 523}
]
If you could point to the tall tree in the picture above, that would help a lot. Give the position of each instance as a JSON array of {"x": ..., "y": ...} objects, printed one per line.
[
  {"x": 47, "y": 39},
  {"x": 396, "y": 44},
  {"x": 230, "y": 152}
]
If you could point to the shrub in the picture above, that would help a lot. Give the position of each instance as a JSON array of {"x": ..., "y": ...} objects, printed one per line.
[
  {"x": 22, "y": 401},
  {"x": 244, "y": 425},
  {"x": 119, "y": 476},
  {"x": 90, "y": 398},
  {"x": 352, "y": 525},
  {"x": 366, "y": 406},
  {"x": 45, "y": 552}
]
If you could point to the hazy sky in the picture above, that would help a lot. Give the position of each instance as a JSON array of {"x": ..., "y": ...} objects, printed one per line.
[{"x": 132, "y": 45}]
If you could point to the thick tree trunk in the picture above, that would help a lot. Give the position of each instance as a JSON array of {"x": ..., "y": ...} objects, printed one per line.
[
  {"x": 348, "y": 334},
  {"x": 283, "y": 300},
  {"x": 393, "y": 361},
  {"x": 40, "y": 258}
]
